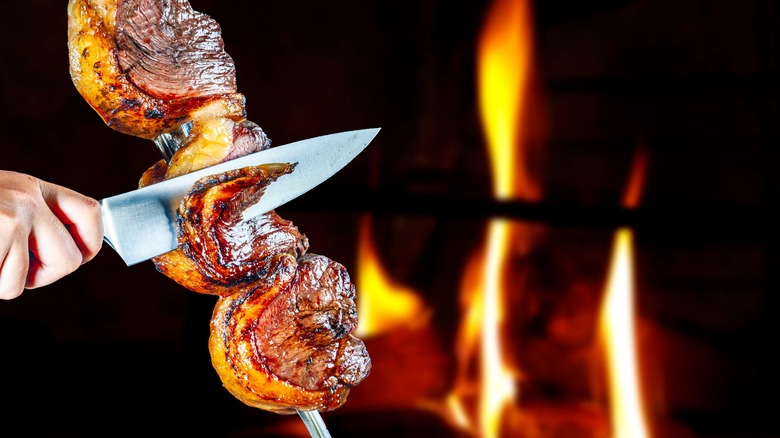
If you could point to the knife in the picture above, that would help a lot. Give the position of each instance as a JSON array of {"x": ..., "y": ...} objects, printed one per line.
[{"x": 140, "y": 224}]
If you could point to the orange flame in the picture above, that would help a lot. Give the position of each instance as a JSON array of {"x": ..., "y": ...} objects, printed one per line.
[
  {"x": 636, "y": 182},
  {"x": 383, "y": 304},
  {"x": 504, "y": 72},
  {"x": 617, "y": 322},
  {"x": 498, "y": 382},
  {"x": 617, "y": 329},
  {"x": 504, "y": 60}
]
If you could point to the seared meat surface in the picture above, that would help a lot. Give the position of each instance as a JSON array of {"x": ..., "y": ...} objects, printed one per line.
[
  {"x": 171, "y": 51},
  {"x": 281, "y": 328},
  {"x": 123, "y": 104},
  {"x": 218, "y": 252},
  {"x": 312, "y": 295},
  {"x": 281, "y": 312},
  {"x": 319, "y": 301}
]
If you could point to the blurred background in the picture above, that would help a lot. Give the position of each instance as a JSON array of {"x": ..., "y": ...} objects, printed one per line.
[{"x": 520, "y": 140}]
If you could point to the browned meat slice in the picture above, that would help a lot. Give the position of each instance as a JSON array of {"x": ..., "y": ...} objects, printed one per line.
[
  {"x": 309, "y": 342},
  {"x": 218, "y": 253},
  {"x": 128, "y": 101},
  {"x": 171, "y": 51},
  {"x": 292, "y": 333},
  {"x": 248, "y": 138}
]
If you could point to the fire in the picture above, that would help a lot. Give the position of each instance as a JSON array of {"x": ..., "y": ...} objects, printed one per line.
[
  {"x": 617, "y": 323},
  {"x": 480, "y": 341},
  {"x": 383, "y": 305},
  {"x": 636, "y": 182},
  {"x": 504, "y": 61},
  {"x": 618, "y": 331},
  {"x": 504, "y": 72}
]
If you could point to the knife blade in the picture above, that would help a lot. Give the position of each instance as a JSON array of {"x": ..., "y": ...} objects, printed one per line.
[{"x": 140, "y": 224}]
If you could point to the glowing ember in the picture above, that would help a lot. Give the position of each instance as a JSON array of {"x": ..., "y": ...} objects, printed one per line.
[{"x": 383, "y": 305}]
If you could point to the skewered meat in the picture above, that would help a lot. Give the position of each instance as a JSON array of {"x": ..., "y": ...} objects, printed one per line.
[
  {"x": 120, "y": 97},
  {"x": 281, "y": 328}
]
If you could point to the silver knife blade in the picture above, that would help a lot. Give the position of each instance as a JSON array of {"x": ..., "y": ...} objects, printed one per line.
[{"x": 140, "y": 224}]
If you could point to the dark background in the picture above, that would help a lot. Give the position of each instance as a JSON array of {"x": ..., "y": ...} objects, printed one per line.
[{"x": 112, "y": 350}]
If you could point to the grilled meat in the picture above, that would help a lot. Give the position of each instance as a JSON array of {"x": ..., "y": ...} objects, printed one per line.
[{"x": 281, "y": 328}]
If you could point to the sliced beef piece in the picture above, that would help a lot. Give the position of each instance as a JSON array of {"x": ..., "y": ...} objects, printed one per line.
[
  {"x": 225, "y": 250},
  {"x": 171, "y": 51},
  {"x": 304, "y": 334},
  {"x": 285, "y": 343},
  {"x": 248, "y": 138}
]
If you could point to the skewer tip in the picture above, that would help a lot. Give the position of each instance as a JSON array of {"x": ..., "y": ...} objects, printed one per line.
[{"x": 314, "y": 424}]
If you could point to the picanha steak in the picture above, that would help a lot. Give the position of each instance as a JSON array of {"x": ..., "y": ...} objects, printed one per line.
[{"x": 281, "y": 332}]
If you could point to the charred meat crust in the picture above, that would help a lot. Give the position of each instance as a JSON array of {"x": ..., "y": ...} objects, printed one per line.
[
  {"x": 284, "y": 313},
  {"x": 225, "y": 248},
  {"x": 218, "y": 253},
  {"x": 110, "y": 91},
  {"x": 304, "y": 371}
]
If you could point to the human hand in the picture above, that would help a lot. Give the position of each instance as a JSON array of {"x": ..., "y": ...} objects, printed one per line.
[{"x": 46, "y": 232}]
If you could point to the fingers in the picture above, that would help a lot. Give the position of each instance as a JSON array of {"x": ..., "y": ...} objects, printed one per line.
[
  {"x": 46, "y": 232},
  {"x": 67, "y": 235},
  {"x": 54, "y": 253},
  {"x": 81, "y": 216},
  {"x": 14, "y": 232},
  {"x": 13, "y": 270}
]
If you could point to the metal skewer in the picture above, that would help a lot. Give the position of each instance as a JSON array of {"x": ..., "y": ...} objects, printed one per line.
[
  {"x": 314, "y": 424},
  {"x": 170, "y": 142}
]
